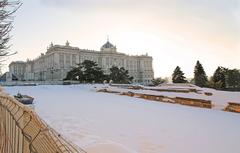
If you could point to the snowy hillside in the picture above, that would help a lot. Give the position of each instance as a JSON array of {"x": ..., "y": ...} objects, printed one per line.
[{"x": 110, "y": 123}]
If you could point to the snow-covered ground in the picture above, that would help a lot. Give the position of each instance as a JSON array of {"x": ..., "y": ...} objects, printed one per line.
[{"x": 110, "y": 123}]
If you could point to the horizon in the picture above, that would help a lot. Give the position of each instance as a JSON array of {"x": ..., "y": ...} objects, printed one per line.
[{"x": 174, "y": 33}]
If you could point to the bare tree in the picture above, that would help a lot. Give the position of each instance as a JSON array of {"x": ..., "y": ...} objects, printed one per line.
[{"x": 7, "y": 9}]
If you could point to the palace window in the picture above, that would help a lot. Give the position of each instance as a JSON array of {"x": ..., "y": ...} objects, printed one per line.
[
  {"x": 61, "y": 60},
  {"x": 74, "y": 60},
  {"x": 67, "y": 60},
  {"x": 107, "y": 61},
  {"x": 122, "y": 63}
]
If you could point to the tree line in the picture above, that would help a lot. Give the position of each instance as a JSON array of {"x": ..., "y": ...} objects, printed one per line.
[
  {"x": 223, "y": 78},
  {"x": 89, "y": 72}
]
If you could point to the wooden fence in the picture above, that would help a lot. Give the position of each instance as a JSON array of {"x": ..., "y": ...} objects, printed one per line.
[{"x": 22, "y": 131}]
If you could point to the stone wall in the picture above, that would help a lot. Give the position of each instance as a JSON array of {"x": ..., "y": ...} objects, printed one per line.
[
  {"x": 233, "y": 107},
  {"x": 174, "y": 100}
]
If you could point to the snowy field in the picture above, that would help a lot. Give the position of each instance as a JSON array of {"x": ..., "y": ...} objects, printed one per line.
[{"x": 110, "y": 123}]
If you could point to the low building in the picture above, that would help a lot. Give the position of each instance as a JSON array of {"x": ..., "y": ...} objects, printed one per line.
[{"x": 59, "y": 59}]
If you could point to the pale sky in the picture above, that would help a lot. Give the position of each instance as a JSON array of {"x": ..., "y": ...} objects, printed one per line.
[{"x": 173, "y": 32}]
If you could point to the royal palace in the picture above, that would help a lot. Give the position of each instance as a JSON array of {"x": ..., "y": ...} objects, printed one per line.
[{"x": 59, "y": 59}]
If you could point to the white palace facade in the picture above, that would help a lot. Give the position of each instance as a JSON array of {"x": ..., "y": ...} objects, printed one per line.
[{"x": 59, "y": 59}]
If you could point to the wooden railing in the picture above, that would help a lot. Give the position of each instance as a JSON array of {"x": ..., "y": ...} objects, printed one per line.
[{"x": 22, "y": 131}]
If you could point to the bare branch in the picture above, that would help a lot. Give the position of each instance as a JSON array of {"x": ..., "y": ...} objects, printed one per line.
[{"x": 7, "y": 9}]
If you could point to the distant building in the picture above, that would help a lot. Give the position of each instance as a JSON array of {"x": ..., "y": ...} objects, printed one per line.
[
  {"x": 59, "y": 59},
  {"x": 18, "y": 68}
]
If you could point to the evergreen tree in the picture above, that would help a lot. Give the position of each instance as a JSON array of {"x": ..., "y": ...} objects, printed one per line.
[
  {"x": 158, "y": 81},
  {"x": 120, "y": 75},
  {"x": 92, "y": 72},
  {"x": 88, "y": 71},
  {"x": 227, "y": 79},
  {"x": 233, "y": 79},
  {"x": 76, "y": 73},
  {"x": 200, "y": 77},
  {"x": 218, "y": 78},
  {"x": 178, "y": 76},
  {"x": 215, "y": 85}
]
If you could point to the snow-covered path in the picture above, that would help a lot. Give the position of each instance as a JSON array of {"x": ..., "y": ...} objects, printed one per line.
[{"x": 92, "y": 119}]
